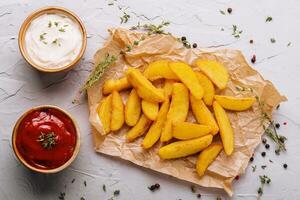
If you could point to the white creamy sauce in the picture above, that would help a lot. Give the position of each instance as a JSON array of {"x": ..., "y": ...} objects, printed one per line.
[{"x": 53, "y": 40}]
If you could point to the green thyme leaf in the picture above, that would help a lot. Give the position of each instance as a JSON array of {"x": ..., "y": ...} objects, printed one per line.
[
  {"x": 62, "y": 196},
  {"x": 116, "y": 192},
  {"x": 42, "y": 36},
  {"x": 272, "y": 40},
  {"x": 269, "y": 18},
  {"x": 222, "y": 12},
  {"x": 61, "y": 30}
]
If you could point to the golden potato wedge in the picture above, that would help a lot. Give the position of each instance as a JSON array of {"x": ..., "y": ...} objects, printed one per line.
[
  {"x": 104, "y": 112},
  {"x": 150, "y": 109},
  {"x": 178, "y": 110},
  {"x": 139, "y": 129},
  {"x": 226, "y": 130},
  {"x": 203, "y": 115},
  {"x": 217, "y": 73},
  {"x": 159, "y": 69},
  {"x": 117, "y": 116},
  {"x": 144, "y": 87},
  {"x": 133, "y": 108},
  {"x": 117, "y": 85},
  {"x": 207, "y": 156},
  {"x": 184, "y": 148},
  {"x": 208, "y": 86},
  {"x": 188, "y": 77},
  {"x": 186, "y": 130},
  {"x": 234, "y": 103},
  {"x": 168, "y": 87},
  {"x": 155, "y": 130}
]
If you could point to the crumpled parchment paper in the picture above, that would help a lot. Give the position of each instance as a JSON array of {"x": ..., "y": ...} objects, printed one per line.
[{"x": 247, "y": 125}]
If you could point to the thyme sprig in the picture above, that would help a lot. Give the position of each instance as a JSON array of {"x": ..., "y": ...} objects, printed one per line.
[
  {"x": 129, "y": 47},
  {"x": 47, "y": 140},
  {"x": 267, "y": 123},
  {"x": 125, "y": 17},
  {"x": 152, "y": 28},
  {"x": 236, "y": 32},
  {"x": 263, "y": 180},
  {"x": 270, "y": 130},
  {"x": 98, "y": 71}
]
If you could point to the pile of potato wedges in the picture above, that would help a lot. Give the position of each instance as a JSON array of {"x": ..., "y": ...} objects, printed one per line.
[{"x": 159, "y": 113}]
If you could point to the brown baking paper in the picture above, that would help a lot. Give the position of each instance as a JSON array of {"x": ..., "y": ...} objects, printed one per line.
[{"x": 247, "y": 125}]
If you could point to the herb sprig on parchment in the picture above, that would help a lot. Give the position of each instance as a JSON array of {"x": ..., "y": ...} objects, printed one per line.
[
  {"x": 266, "y": 122},
  {"x": 98, "y": 71}
]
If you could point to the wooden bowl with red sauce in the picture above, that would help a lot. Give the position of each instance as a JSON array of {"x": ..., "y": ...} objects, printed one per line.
[{"x": 46, "y": 139}]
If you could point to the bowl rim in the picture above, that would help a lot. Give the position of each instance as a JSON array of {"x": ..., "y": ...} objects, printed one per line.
[
  {"x": 23, "y": 161},
  {"x": 39, "y": 12}
]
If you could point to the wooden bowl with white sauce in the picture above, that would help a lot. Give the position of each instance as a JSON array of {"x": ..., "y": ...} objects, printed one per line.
[{"x": 52, "y": 39}]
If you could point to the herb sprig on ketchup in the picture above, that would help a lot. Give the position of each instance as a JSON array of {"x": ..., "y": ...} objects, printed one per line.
[{"x": 46, "y": 138}]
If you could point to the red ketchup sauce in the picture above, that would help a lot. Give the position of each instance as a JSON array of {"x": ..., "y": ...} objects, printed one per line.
[{"x": 46, "y": 138}]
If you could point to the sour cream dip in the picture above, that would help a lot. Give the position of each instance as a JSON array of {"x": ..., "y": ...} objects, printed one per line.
[{"x": 53, "y": 41}]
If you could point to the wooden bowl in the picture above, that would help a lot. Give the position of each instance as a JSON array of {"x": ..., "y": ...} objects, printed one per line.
[
  {"x": 24, "y": 162},
  {"x": 51, "y": 10}
]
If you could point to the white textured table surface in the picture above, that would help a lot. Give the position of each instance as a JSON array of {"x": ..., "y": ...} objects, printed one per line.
[{"x": 22, "y": 87}]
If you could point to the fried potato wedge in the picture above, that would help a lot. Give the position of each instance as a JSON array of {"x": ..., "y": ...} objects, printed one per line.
[
  {"x": 217, "y": 73},
  {"x": 184, "y": 148},
  {"x": 188, "y": 77},
  {"x": 154, "y": 132},
  {"x": 207, "y": 156},
  {"x": 119, "y": 84},
  {"x": 208, "y": 86},
  {"x": 203, "y": 115},
  {"x": 104, "y": 112},
  {"x": 117, "y": 116},
  {"x": 144, "y": 87},
  {"x": 186, "y": 130},
  {"x": 178, "y": 110},
  {"x": 159, "y": 69},
  {"x": 150, "y": 109},
  {"x": 139, "y": 129},
  {"x": 235, "y": 104},
  {"x": 226, "y": 130},
  {"x": 133, "y": 108},
  {"x": 168, "y": 87}
]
